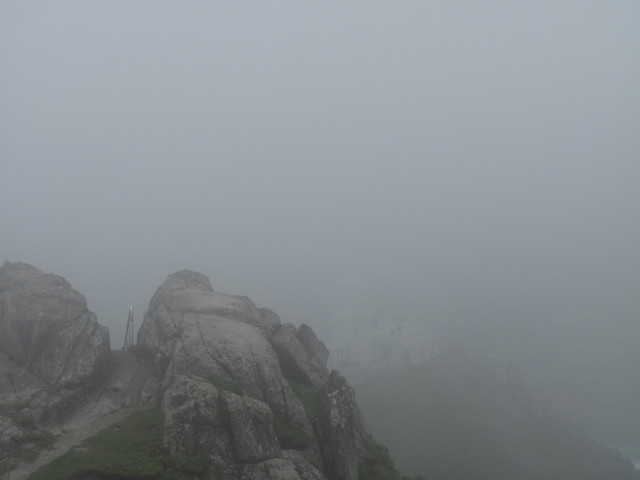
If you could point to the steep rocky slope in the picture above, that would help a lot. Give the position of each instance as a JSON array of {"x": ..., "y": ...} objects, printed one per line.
[
  {"x": 452, "y": 418},
  {"x": 59, "y": 381},
  {"x": 215, "y": 388},
  {"x": 53, "y": 353},
  {"x": 236, "y": 382}
]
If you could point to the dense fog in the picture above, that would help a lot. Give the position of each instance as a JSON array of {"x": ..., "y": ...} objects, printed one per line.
[{"x": 474, "y": 162}]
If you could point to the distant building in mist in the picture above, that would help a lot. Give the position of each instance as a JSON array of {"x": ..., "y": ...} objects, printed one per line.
[{"x": 365, "y": 344}]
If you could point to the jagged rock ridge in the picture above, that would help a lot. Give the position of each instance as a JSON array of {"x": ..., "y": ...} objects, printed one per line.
[
  {"x": 477, "y": 424},
  {"x": 242, "y": 396},
  {"x": 59, "y": 381},
  {"x": 46, "y": 327},
  {"x": 52, "y": 354},
  {"x": 245, "y": 366}
]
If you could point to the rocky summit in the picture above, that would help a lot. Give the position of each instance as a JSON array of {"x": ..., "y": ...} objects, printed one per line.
[
  {"x": 216, "y": 388},
  {"x": 222, "y": 357},
  {"x": 53, "y": 353}
]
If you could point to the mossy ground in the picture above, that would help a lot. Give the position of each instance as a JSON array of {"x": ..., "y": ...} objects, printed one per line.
[
  {"x": 306, "y": 394},
  {"x": 131, "y": 449},
  {"x": 30, "y": 442},
  {"x": 224, "y": 385},
  {"x": 290, "y": 436},
  {"x": 377, "y": 463}
]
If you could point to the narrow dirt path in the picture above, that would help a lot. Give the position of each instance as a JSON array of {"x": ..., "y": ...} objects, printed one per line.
[{"x": 129, "y": 386}]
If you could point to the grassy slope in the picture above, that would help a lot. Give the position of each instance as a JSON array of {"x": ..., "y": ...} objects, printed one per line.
[
  {"x": 451, "y": 418},
  {"x": 132, "y": 449}
]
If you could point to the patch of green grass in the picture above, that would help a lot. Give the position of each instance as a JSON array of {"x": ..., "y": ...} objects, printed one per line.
[
  {"x": 29, "y": 444},
  {"x": 52, "y": 389},
  {"x": 131, "y": 449},
  {"x": 13, "y": 410},
  {"x": 10, "y": 408},
  {"x": 290, "y": 436},
  {"x": 40, "y": 439},
  {"x": 306, "y": 394},
  {"x": 376, "y": 463},
  {"x": 191, "y": 466},
  {"x": 7, "y": 464},
  {"x": 224, "y": 385}
]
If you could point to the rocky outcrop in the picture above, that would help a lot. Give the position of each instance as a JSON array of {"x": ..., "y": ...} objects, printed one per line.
[
  {"x": 252, "y": 429},
  {"x": 196, "y": 424},
  {"x": 233, "y": 392},
  {"x": 187, "y": 291},
  {"x": 52, "y": 354},
  {"x": 342, "y": 426},
  {"x": 59, "y": 380},
  {"x": 302, "y": 356},
  {"x": 476, "y": 424},
  {"x": 45, "y": 327},
  {"x": 241, "y": 389}
]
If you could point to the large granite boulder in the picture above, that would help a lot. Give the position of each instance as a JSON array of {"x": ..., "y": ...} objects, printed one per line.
[
  {"x": 193, "y": 332},
  {"x": 45, "y": 327},
  {"x": 187, "y": 291},
  {"x": 243, "y": 397},
  {"x": 53, "y": 354},
  {"x": 193, "y": 338},
  {"x": 342, "y": 428},
  {"x": 229, "y": 373},
  {"x": 251, "y": 421},
  {"x": 291, "y": 466},
  {"x": 301, "y": 354},
  {"x": 197, "y": 424}
]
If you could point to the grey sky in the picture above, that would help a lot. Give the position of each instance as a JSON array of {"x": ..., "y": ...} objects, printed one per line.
[{"x": 482, "y": 157}]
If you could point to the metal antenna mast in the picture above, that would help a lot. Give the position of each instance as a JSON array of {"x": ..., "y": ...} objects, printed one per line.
[{"x": 129, "y": 339}]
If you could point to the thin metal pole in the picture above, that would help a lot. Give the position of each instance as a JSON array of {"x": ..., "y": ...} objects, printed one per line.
[
  {"x": 133, "y": 330},
  {"x": 129, "y": 339}
]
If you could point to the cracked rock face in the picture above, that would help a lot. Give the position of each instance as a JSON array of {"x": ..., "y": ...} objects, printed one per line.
[
  {"x": 342, "y": 424},
  {"x": 188, "y": 338},
  {"x": 228, "y": 370},
  {"x": 301, "y": 354},
  {"x": 244, "y": 397},
  {"x": 52, "y": 352},
  {"x": 252, "y": 429},
  {"x": 45, "y": 326}
]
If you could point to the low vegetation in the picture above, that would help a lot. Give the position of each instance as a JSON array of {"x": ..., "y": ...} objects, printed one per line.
[
  {"x": 290, "y": 436},
  {"x": 131, "y": 449},
  {"x": 224, "y": 385},
  {"x": 29, "y": 442},
  {"x": 307, "y": 396},
  {"x": 377, "y": 464}
]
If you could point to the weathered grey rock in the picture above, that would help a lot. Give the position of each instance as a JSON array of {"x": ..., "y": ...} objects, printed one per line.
[
  {"x": 342, "y": 428},
  {"x": 305, "y": 361},
  {"x": 274, "y": 469},
  {"x": 305, "y": 470},
  {"x": 291, "y": 466},
  {"x": 196, "y": 424},
  {"x": 16, "y": 382},
  {"x": 269, "y": 320},
  {"x": 312, "y": 344},
  {"x": 251, "y": 423},
  {"x": 53, "y": 356},
  {"x": 190, "y": 342},
  {"x": 46, "y": 327},
  {"x": 185, "y": 290},
  {"x": 193, "y": 332},
  {"x": 229, "y": 406},
  {"x": 191, "y": 292}
]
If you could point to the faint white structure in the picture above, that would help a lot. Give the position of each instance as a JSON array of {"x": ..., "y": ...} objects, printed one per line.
[
  {"x": 129, "y": 337},
  {"x": 361, "y": 347}
]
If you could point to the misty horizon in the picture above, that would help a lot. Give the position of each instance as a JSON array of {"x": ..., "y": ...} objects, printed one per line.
[{"x": 477, "y": 161}]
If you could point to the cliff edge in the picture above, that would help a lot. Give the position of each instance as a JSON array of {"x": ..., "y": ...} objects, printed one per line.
[{"x": 215, "y": 388}]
